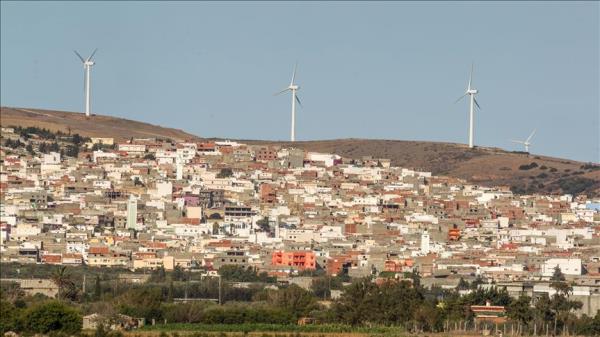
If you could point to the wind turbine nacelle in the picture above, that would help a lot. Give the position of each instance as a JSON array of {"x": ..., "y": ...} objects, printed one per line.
[
  {"x": 294, "y": 87},
  {"x": 472, "y": 91},
  {"x": 89, "y": 63}
]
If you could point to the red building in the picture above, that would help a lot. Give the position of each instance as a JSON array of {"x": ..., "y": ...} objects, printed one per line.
[
  {"x": 266, "y": 154},
  {"x": 299, "y": 259},
  {"x": 267, "y": 194}
]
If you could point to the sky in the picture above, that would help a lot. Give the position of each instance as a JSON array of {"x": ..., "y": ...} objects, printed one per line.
[{"x": 384, "y": 70}]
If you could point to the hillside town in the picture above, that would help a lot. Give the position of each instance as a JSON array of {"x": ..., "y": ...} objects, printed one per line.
[{"x": 149, "y": 204}]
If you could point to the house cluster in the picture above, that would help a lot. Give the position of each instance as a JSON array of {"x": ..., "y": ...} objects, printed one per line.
[{"x": 150, "y": 203}]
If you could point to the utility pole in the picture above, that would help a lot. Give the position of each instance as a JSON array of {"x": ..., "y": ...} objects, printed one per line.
[
  {"x": 220, "y": 290},
  {"x": 83, "y": 285}
]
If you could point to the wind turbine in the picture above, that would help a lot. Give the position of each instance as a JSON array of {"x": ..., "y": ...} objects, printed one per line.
[
  {"x": 293, "y": 88},
  {"x": 472, "y": 102},
  {"x": 87, "y": 66},
  {"x": 525, "y": 142}
]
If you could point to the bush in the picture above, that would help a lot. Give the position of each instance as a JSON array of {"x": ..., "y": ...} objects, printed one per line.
[
  {"x": 225, "y": 173},
  {"x": 52, "y": 316},
  {"x": 575, "y": 185},
  {"x": 529, "y": 166},
  {"x": 590, "y": 166},
  {"x": 9, "y": 315}
]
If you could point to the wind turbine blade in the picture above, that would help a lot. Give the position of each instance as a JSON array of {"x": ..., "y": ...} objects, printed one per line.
[
  {"x": 298, "y": 100},
  {"x": 531, "y": 135},
  {"x": 294, "y": 74},
  {"x": 81, "y": 58},
  {"x": 476, "y": 103},
  {"x": 281, "y": 92},
  {"x": 93, "y": 53},
  {"x": 461, "y": 97},
  {"x": 470, "y": 77},
  {"x": 517, "y": 141}
]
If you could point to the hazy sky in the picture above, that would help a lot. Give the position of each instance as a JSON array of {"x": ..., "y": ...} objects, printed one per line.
[{"x": 389, "y": 70}]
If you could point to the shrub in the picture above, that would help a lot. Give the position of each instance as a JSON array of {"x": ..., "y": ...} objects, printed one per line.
[
  {"x": 52, "y": 316},
  {"x": 8, "y": 317},
  {"x": 529, "y": 166},
  {"x": 575, "y": 185}
]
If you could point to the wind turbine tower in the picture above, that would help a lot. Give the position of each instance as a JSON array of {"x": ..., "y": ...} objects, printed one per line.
[
  {"x": 294, "y": 89},
  {"x": 87, "y": 67},
  {"x": 525, "y": 142},
  {"x": 472, "y": 103}
]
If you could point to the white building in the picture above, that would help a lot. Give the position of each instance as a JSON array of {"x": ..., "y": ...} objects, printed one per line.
[
  {"x": 132, "y": 212},
  {"x": 425, "y": 248},
  {"x": 567, "y": 266}
]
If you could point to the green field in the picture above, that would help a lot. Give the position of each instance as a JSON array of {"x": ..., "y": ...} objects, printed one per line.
[{"x": 269, "y": 329}]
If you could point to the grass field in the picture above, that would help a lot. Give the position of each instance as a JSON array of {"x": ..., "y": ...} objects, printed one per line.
[
  {"x": 270, "y": 330},
  {"x": 262, "y": 330}
]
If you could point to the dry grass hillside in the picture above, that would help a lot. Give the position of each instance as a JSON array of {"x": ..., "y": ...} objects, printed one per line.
[
  {"x": 95, "y": 126},
  {"x": 485, "y": 166}
]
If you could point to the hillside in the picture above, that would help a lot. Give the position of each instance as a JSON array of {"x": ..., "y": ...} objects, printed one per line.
[
  {"x": 95, "y": 126},
  {"x": 481, "y": 165},
  {"x": 485, "y": 166}
]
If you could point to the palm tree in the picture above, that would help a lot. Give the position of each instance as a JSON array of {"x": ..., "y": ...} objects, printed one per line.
[{"x": 62, "y": 279}]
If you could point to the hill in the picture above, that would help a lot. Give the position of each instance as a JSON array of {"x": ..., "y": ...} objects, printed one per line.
[
  {"x": 525, "y": 173},
  {"x": 95, "y": 126}
]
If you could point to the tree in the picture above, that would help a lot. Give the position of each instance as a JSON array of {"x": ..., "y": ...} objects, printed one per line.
[
  {"x": 542, "y": 311},
  {"x": 558, "y": 282},
  {"x": 9, "y": 315},
  {"x": 392, "y": 302},
  {"x": 159, "y": 275},
  {"x": 241, "y": 274},
  {"x": 29, "y": 148},
  {"x": 264, "y": 224},
  {"x": 297, "y": 301},
  {"x": 178, "y": 274},
  {"x": 559, "y": 303},
  {"x": 43, "y": 147},
  {"x": 462, "y": 284},
  {"x": 141, "y": 302},
  {"x": 150, "y": 156},
  {"x": 171, "y": 292},
  {"x": 77, "y": 139},
  {"x": 415, "y": 277},
  {"x": 428, "y": 317},
  {"x": 97, "y": 288},
  {"x": 53, "y": 316},
  {"x": 225, "y": 173},
  {"x": 54, "y": 147},
  {"x": 321, "y": 286},
  {"x": 137, "y": 182},
  {"x": 63, "y": 281},
  {"x": 72, "y": 151},
  {"x": 520, "y": 311}
]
